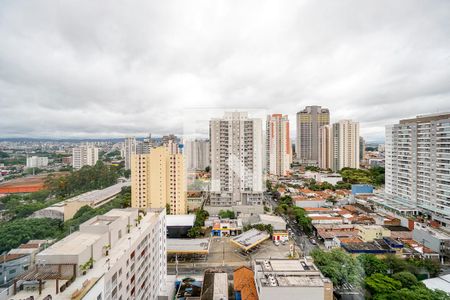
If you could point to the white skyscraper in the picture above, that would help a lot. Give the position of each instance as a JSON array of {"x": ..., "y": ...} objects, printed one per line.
[
  {"x": 236, "y": 160},
  {"x": 85, "y": 155},
  {"x": 196, "y": 153},
  {"x": 417, "y": 153},
  {"x": 129, "y": 149},
  {"x": 278, "y": 145},
  {"x": 345, "y": 145}
]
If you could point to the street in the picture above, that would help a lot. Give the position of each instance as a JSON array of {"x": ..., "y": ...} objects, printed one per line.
[{"x": 301, "y": 240}]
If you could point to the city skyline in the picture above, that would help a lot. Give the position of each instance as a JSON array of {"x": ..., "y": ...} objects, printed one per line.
[{"x": 70, "y": 73}]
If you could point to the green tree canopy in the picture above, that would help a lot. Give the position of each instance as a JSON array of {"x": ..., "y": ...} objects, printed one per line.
[{"x": 381, "y": 284}]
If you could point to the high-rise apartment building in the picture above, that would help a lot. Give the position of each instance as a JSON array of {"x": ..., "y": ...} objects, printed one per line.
[
  {"x": 339, "y": 145},
  {"x": 236, "y": 160},
  {"x": 417, "y": 153},
  {"x": 85, "y": 155},
  {"x": 118, "y": 255},
  {"x": 278, "y": 145},
  {"x": 309, "y": 121},
  {"x": 128, "y": 150},
  {"x": 158, "y": 179},
  {"x": 345, "y": 145},
  {"x": 144, "y": 147},
  {"x": 196, "y": 153},
  {"x": 362, "y": 148},
  {"x": 326, "y": 147},
  {"x": 37, "y": 162}
]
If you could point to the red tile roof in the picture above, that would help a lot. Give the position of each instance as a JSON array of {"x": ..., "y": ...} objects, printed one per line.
[{"x": 244, "y": 282}]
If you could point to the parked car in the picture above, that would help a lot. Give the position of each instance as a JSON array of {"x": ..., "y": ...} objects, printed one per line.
[{"x": 277, "y": 243}]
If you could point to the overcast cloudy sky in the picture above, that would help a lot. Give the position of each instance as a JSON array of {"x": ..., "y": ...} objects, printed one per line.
[{"x": 113, "y": 68}]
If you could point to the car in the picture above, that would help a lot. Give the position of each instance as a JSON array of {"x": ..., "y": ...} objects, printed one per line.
[
  {"x": 277, "y": 243},
  {"x": 313, "y": 241}
]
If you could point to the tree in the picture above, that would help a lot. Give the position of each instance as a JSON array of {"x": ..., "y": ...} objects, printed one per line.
[
  {"x": 407, "y": 279},
  {"x": 372, "y": 264},
  {"x": 208, "y": 169},
  {"x": 339, "y": 266},
  {"x": 227, "y": 214},
  {"x": 381, "y": 284},
  {"x": 415, "y": 293}
]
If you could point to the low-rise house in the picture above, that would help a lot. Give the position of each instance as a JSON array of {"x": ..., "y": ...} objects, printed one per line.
[
  {"x": 244, "y": 284},
  {"x": 215, "y": 286},
  {"x": 368, "y": 233},
  {"x": 435, "y": 239}
]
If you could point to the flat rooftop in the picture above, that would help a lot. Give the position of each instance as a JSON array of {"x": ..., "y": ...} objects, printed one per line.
[
  {"x": 250, "y": 239},
  {"x": 73, "y": 244},
  {"x": 288, "y": 273},
  {"x": 180, "y": 220},
  {"x": 188, "y": 246}
]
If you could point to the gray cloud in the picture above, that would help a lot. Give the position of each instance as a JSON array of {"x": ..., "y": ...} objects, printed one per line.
[{"x": 110, "y": 68}]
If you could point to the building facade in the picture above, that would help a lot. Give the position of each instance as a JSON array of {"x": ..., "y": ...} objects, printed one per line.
[
  {"x": 278, "y": 145},
  {"x": 85, "y": 155},
  {"x": 119, "y": 255},
  {"x": 236, "y": 160},
  {"x": 345, "y": 145},
  {"x": 196, "y": 153},
  {"x": 128, "y": 150},
  {"x": 417, "y": 161},
  {"x": 158, "y": 179},
  {"x": 37, "y": 162},
  {"x": 309, "y": 121},
  {"x": 290, "y": 278},
  {"x": 325, "y": 147}
]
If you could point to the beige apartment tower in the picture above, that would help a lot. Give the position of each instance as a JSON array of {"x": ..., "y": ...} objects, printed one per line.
[
  {"x": 158, "y": 179},
  {"x": 309, "y": 122},
  {"x": 278, "y": 145},
  {"x": 345, "y": 145},
  {"x": 325, "y": 147}
]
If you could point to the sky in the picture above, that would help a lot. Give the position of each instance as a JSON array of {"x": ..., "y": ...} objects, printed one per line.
[{"x": 116, "y": 68}]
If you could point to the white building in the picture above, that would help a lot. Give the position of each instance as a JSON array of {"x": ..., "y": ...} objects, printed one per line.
[
  {"x": 339, "y": 145},
  {"x": 278, "y": 145},
  {"x": 345, "y": 145},
  {"x": 288, "y": 279},
  {"x": 196, "y": 153},
  {"x": 37, "y": 162},
  {"x": 126, "y": 250},
  {"x": 236, "y": 160},
  {"x": 129, "y": 149},
  {"x": 417, "y": 164},
  {"x": 85, "y": 155}
]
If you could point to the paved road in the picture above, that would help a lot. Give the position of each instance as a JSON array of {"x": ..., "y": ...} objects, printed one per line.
[{"x": 301, "y": 240}]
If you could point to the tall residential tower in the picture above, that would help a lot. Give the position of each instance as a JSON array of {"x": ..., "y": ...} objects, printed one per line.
[
  {"x": 278, "y": 145},
  {"x": 309, "y": 121},
  {"x": 418, "y": 164},
  {"x": 236, "y": 160},
  {"x": 158, "y": 179},
  {"x": 128, "y": 150},
  {"x": 85, "y": 155}
]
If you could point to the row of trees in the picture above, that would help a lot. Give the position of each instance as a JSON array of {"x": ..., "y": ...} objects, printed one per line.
[
  {"x": 19, "y": 231},
  {"x": 383, "y": 278},
  {"x": 88, "y": 178},
  {"x": 286, "y": 207},
  {"x": 260, "y": 227},
  {"x": 200, "y": 217}
]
